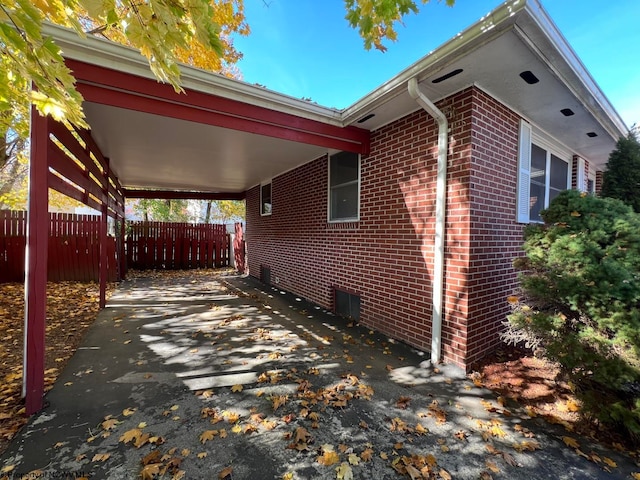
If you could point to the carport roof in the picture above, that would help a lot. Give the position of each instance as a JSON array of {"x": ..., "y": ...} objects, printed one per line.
[{"x": 226, "y": 136}]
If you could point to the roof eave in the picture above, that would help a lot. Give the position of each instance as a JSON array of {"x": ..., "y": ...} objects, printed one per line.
[
  {"x": 102, "y": 52},
  {"x": 531, "y": 22},
  {"x": 488, "y": 27},
  {"x": 544, "y": 37}
]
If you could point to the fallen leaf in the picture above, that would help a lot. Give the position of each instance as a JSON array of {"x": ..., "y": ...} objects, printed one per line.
[
  {"x": 366, "y": 455},
  {"x": 609, "y": 462},
  {"x": 413, "y": 472},
  {"x": 492, "y": 466},
  {"x": 100, "y": 457},
  {"x": 150, "y": 471},
  {"x": 127, "y": 412},
  {"x": 174, "y": 408},
  {"x": 344, "y": 472},
  {"x": 353, "y": 459},
  {"x": 444, "y": 474},
  {"x": 571, "y": 442},
  {"x": 302, "y": 435},
  {"x": 7, "y": 468},
  {"x": 109, "y": 424},
  {"x": 507, "y": 457},
  {"x": 279, "y": 401},
  {"x": 225, "y": 473},
  {"x": 207, "y": 435},
  {"x": 130, "y": 435},
  {"x": 328, "y": 458},
  {"x": 202, "y": 455},
  {"x": 234, "y": 389}
]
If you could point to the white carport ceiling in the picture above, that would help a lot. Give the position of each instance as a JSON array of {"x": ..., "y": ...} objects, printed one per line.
[{"x": 151, "y": 151}]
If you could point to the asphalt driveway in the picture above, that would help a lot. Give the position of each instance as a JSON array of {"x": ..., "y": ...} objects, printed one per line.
[{"x": 216, "y": 376}]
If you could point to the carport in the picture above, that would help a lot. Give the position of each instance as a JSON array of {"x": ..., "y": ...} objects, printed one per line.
[{"x": 215, "y": 140}]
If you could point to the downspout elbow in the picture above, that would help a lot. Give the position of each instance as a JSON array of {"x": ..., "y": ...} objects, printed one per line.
[{"x": 441, "y": 201}]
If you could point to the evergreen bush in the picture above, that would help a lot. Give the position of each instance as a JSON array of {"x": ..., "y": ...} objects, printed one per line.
[{"x": 580, "y": 281}]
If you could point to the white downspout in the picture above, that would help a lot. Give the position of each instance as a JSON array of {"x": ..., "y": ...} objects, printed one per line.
[{"x": 441, "y": 203}]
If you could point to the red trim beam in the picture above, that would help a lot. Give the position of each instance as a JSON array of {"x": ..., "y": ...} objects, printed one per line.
[
  {"x": 119, "y": 89},
  {"x": 182, "y": 195}
]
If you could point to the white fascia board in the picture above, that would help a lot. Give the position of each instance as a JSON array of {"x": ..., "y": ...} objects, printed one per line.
[{"x": 104, "y": 53}]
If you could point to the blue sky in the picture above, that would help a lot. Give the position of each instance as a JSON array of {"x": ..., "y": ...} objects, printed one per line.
[{"x": 305, "y": 48}]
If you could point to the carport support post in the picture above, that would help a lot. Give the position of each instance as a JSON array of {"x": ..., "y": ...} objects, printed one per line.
[
  {"x": 103, "y": 238},
  {"x": 122, "y": 255},
  {"x": 36, "y": 265}
]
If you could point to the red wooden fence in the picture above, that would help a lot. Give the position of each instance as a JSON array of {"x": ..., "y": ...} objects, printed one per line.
[
  {"x": 159, "y": 245},
  {"x": 74, "y": 248}
]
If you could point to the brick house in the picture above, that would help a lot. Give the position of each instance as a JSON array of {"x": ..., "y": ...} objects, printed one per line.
[
  {"x": 404, "y": 210},
  {"x": 366, "y": 234}
]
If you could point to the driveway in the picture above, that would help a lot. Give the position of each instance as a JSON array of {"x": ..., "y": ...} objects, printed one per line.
[{"x": 209, "y": 375}]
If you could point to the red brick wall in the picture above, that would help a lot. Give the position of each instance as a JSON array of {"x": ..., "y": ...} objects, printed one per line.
[
  {"x": 496, "y": 238},
  {"x": 387, "y": 256}
]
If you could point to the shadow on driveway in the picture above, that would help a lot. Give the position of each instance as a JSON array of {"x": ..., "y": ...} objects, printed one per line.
[{"x": 217, "y": 376}]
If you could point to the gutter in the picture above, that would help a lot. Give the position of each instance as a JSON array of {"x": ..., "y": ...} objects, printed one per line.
[{"x": 441, "y": 203}]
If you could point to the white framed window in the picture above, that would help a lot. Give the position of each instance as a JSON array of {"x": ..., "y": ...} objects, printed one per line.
[
  {"x": 544, "y": 170},
  {"x": 591, "y": 182},
  {"x": 265, "y": 199},
  {"x": 344, "y": 187}
]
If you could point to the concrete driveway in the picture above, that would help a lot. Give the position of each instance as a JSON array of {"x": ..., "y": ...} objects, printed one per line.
[{"x": 209, "y": 375}]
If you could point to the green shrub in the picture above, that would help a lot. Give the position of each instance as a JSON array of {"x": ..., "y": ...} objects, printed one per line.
[{"x": 580, "y": 280}]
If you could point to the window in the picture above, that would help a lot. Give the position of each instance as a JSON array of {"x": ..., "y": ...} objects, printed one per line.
[
  {"x": 265, "y": 199},
  {"x": 344, "y": 187},
  {"x": 346, "y": 304},
  {"x": 542, "y": 174}
]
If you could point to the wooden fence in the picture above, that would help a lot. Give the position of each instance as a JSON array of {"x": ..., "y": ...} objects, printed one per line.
[
  {"x": 159, "y": 245},
  {"x": 74, "y": 248}
]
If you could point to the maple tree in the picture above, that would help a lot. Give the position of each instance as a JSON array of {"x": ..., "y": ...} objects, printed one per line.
[
  {"x": 376, "y": 20},
  {"x": 199, "y": 33}
]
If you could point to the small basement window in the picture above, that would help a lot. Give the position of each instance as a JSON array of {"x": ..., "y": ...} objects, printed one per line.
[
  {"x": 265, "y": 275},
  {"x": 346, "y": 304}
]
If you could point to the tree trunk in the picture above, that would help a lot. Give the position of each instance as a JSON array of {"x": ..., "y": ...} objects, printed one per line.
[{"x": 207, "y": 217}]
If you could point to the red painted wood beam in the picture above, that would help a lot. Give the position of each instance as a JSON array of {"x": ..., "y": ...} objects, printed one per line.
[
  {"x": 112, "y": 79},
  {"x": 103, "y": 242},
  {"x": 221, "y": 111},
  {"x": 69, "y": 169},
  {"x": 126, "y": 100},
  {"x": 67, "y": 139},
  {"x": 36, "y": 266},
  {"x": 182, "y": 195}
]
